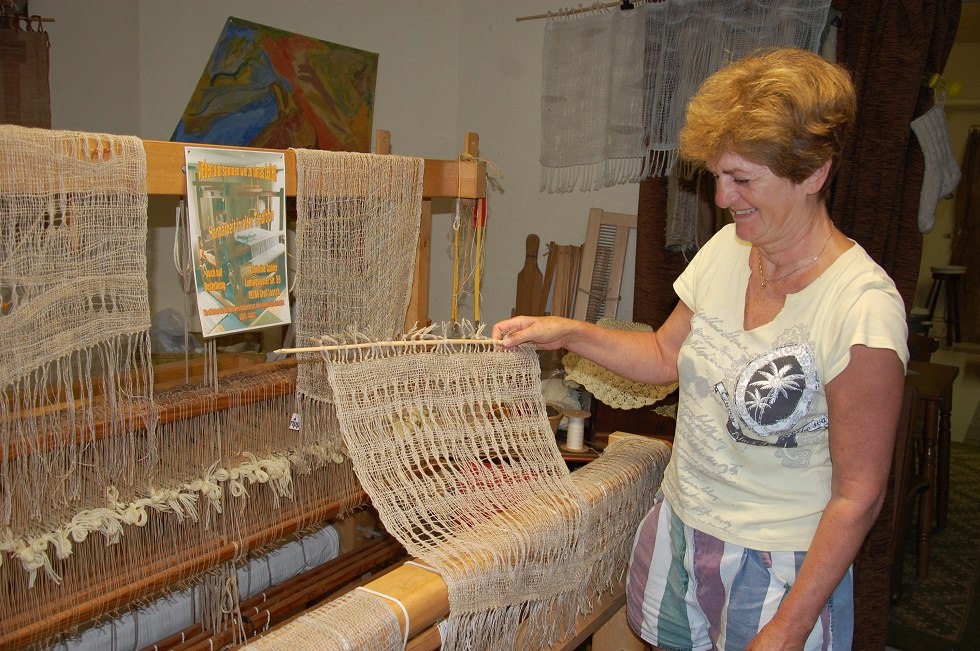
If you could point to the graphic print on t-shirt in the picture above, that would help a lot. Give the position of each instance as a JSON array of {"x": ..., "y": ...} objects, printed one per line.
[{"x": 772, "y": 395}]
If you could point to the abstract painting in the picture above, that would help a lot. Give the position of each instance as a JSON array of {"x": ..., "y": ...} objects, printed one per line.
[{"x": 266, "y": 87}]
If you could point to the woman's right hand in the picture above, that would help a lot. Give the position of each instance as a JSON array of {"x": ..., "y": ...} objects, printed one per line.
[{"x": 545, "y": 332}]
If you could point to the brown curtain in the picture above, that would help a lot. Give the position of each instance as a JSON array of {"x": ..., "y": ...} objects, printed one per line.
[
  {"x": 25, "y": 97},
  {"x": 966, "y": 236},
  {"x": 889, "y": 47}
]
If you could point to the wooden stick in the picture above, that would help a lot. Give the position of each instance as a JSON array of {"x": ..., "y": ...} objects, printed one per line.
[{"x": 388, "y": 344}]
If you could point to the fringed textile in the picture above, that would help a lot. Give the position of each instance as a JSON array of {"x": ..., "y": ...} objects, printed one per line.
[
  {"x": 357, "y": 231},
  {"x": 592, "y": 101},
  {"x": 451, "y": 441},
  {"x": 616, "y": 83},
  {"x": 74, "y": 321}
]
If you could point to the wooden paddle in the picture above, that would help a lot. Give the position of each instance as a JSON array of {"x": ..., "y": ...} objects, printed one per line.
[{"x": 529, "y": 279}]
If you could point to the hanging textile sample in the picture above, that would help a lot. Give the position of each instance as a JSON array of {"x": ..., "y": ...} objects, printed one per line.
[
  {"x": 941, "y": 171},
  {"x": 647, "y": 62},
  {"x": 592, "y": 101}
]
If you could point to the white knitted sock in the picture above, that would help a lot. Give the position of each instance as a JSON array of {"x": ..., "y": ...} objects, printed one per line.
[{"x": 941, "y": 173}]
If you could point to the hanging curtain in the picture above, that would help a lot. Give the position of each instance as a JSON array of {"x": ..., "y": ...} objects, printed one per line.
[
  {"x": 966, "y": 236},
  {"x": 25, "y": 97}
]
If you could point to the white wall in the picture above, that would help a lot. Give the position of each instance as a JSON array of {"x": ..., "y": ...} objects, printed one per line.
[{"x": 446, "y": 67}]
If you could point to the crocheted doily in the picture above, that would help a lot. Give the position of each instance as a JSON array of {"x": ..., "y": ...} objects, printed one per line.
[{"x": 608, "y": 387}]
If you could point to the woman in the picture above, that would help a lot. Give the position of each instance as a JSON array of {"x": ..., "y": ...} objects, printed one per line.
[{"x": 789, "y": 346}]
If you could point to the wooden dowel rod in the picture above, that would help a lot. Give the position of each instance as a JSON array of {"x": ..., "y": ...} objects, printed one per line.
[{"x": 387, "y": 344}]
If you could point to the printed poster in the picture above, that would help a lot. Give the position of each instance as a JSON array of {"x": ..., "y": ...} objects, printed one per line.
[{"x": 237, "y": 225}]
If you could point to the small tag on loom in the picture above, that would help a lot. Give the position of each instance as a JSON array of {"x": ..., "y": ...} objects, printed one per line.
[{"x": 294, "y": 422}]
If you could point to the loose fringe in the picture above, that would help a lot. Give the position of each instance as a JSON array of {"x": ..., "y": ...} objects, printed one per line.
[{"x": 593, "y": 176}]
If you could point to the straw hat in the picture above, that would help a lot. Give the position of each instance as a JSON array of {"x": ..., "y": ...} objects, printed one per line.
[{"x": 608, "y": 387}]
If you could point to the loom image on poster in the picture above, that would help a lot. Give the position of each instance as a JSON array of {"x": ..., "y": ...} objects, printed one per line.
[{"x": 266, "y": 87}]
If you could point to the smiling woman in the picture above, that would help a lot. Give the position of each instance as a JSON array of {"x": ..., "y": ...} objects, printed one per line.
[{"x": 783, "y": 328}]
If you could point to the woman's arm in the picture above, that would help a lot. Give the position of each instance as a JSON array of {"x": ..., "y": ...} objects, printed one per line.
[
  {"x": 863, "y": 404},
  {"x": 649, "y": 357}
]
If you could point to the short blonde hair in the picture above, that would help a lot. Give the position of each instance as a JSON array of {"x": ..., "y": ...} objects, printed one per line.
[{"x": 787, "y": 109}]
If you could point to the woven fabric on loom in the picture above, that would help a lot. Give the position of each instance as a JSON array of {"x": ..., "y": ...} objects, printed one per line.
[
  {"x": 74, "y": 322},
  {"x": 452, "y": 443},
  {"x": 355, "y": 621},
  {"x": 620, "y": 487},
  {"x": 450, "y": 439},
  {"x": 357, "y": 231}
]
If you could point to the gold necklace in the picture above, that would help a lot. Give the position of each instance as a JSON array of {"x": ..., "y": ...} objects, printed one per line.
[{"x": 764, "y": 282}]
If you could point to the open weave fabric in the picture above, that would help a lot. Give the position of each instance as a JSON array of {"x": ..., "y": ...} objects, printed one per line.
[
  {"x": 357, "y": 621},
  {"x": 451, "y": 441},
  {"x": 357, "y": 230},
  {"x": 646, "y": 63},
  {"x": 618, "y": 489},
  {"x": 74, "y": 318}
]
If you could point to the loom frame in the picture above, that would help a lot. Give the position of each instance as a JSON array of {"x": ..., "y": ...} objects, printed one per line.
[{"x": 165, "y": 176}]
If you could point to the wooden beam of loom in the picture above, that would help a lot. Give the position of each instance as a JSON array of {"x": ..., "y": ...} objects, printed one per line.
[{"x": 442, "y": 178}]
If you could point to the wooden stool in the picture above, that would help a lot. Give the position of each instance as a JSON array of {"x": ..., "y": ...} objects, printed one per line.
[{"x": 949, "y": 278}]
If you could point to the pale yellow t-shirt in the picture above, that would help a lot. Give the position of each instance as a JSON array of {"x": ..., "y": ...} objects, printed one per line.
[{"x": 751, "y": 462}]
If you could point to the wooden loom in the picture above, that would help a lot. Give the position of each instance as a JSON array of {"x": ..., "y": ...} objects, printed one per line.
[{"x": 165, "y": 177}]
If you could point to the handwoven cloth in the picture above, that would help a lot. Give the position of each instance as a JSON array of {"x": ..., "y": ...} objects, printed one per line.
[
  {"x": 619, "y": 487},
  {"x": 451, "y": 441},
  {"x": 357, "y": 621},
  {"x": 608, "y": 387},
  {"x": 357, "y": 230},
  {"x": 592, "y": 101},
  {"x": 657, "y": 54},
  {"x": 74, "y": 318}
]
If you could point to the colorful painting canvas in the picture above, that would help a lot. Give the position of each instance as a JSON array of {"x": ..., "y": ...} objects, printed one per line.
[{"x": 266, "y": 87}]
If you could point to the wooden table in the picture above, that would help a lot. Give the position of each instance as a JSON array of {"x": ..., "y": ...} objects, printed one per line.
[{"x": 934, "y": 382}]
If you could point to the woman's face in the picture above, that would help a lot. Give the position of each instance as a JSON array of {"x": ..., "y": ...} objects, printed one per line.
[{"x": 765, "y": 207}]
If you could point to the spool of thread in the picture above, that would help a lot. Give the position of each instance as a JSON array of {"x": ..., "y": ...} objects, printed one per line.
[{"x": 575, "y": 430}]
